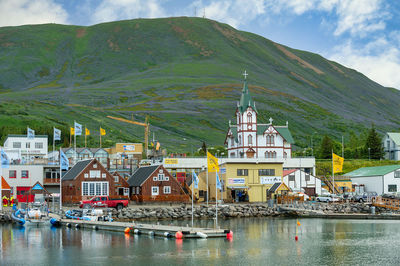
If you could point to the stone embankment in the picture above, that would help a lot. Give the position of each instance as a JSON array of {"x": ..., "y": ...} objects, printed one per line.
[
  {"x": 240, "y": 210},
  {"x": 5, "y": 217}
]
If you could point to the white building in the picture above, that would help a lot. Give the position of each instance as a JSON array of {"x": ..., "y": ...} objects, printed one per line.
[
  {"x": 298, "y": 180},
  {"x": 249, "y": 139},
  {"x": 391, "y": 144},
  {"x": 380, "y": 179},
  {"x": 28, "y": 149}
]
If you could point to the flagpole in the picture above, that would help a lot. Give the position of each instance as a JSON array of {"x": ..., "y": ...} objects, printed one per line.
[
  {"x": 70, "y": 137},
  {"x": 333, "y": 177},
  {"x": 60, "y": 182},
  {"x": 54, "y": 157},
  {"x": 100, "y": 137},
  {"x": 207, "y": 174},
  {"x": 192, "y": 195},
  {"x": 75, "y": 141},
  {"x": 1, "y": 183},
  {"x": 85, "y": 136},
  {"x": 216, "y": 199}
]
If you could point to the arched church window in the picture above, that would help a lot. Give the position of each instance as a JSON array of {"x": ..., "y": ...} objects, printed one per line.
[
  {"x": 250, "y": 140},
  {"x": 272, "y": 139},
  {"x": 274, "y": 154},
  {"x": 240, "y": 140},
  {"x": 232, "y": 141},
  {"x": 249, "y": 118},
  {"x": 284, "y": 155}
]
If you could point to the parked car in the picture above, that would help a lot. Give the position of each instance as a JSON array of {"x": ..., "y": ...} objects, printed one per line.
[
  {"x": 104, "y": 201},
  {"x": 327, "y": 198},
  {"x": 366, "y": 196}
]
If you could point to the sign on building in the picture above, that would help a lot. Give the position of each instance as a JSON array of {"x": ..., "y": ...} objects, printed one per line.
[
  {"x": 268, "y": 180},
  {"x": 129, "y": 147},
  {"x": 171, "y": 161},
  {"x": 236, "y": 181}
]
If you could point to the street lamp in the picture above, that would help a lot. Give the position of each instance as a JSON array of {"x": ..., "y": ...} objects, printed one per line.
[{"x": 369, "y": 154}]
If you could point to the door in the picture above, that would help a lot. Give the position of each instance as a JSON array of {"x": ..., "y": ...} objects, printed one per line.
[{"x": 121, "y": 191}]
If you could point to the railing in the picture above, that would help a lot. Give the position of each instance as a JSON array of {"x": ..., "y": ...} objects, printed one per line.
[
  {"x": 161, "y": 198},
  {"x": 289, "y": 199},
  {"x": 388, "y": 203},
  {"x": 47, "y": 181}
]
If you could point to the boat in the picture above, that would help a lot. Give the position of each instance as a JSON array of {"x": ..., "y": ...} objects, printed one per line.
[
  {"x": 88, "y": 215},
  {"x": 37, "y": 214},
  {"x": 18, "y": 216}
]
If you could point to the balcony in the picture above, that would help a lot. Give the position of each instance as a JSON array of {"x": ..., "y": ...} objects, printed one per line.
[{"x": 51, "y": 181}]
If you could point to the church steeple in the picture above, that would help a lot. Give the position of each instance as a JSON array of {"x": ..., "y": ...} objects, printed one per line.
[{"x": 245, "y": 98}]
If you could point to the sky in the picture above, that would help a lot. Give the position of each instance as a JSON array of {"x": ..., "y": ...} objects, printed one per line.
[{"x": 359, "y": 34}]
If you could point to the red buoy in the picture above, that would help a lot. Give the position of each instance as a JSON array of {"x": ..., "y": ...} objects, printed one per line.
[
  {"x": 178, "y": 235},
  {"x": 229, "y": 235},
  {"x": 296, "y": 238}
]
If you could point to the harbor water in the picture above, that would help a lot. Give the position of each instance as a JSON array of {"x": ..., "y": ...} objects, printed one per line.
[{"x": 256, "y": 241}]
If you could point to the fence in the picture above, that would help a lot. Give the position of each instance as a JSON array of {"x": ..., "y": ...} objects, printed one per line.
[
  {"x": 161, "y": 198},
  {"x": 393, "y": 204}
]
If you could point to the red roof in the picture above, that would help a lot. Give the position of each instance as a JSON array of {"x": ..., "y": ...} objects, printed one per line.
[
  {"x": 4, "y": 184},
  {"x": 288, "y": 172}
]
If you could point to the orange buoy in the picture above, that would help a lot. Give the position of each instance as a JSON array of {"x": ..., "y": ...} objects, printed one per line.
[
  {"x": 127, "y": 230},
  {"x": 229, "y": 235},
  {"x": 178, "y": 235}
]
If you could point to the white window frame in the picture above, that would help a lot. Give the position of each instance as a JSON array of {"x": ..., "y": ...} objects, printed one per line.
[
  {"x": 137, "y": 190},
  {"x": 38, "y": 145},
  {"x": 167, "y": 189},
  {"x": 94, "y": 173},
  {"x": 95, "y": 165},
  {"x": 155, "y": 178},
  {"x": 85, "y": 189},
  {"x": 95, "y": 188},
  {"x": 155, "y": 191},
  {"x": 116, "y": 179},
  {"x": 103, "y": 175},
  {"x": 166, "y": 178},
  {"x": 161, "y": 177},
  {"x": 126, "y": 191}
]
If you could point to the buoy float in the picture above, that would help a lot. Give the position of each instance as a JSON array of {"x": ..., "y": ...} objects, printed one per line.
[
  {"x": 77, "y": 226},
  {"x": 151, "y": 233},
  {"x": 127, "y": 230},
  {"x": 68, "y": 225},
  {"x": 167, "y": 234},
  {"x": 178, "y": 235},
  {"x": 95, "y": 227},
  {"x": 201, "y": 234},
  {"x": 296, "y": 238},
  {"x": 229, "y": 235},
  {"x": 136, "y": 231}
]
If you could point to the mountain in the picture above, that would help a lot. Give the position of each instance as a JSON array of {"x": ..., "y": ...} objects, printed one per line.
[{"x": 185, "y": 74}]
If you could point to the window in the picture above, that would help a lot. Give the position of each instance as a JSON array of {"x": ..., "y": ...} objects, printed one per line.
[
  {"x": 24, "y": 174},
  {"x": 291, "y": 178},
  {"x": 85, "y": 189},
  {"x": 103, "y": 175},
  {"x": 249, "y": 118},
  {"x": 134, "y": 191},
  {"x": 232, "y": 141},
  {"x": 307, "y": 177},
  {"x": 16, "y": 145},
  {"x": 95, "y": 165},
  {"x": 86, "y": 175},
  {"x": 38, "y": 145},
  {"x": 94, "y": 173},
  {"x": 116, "y": 179},
  {"x": 267, "y": 172},
  {"x": 126, "y": 191},
  {"x": 166, "y": 178},
  {"x": 91, "y": 189},
  {"x": 392, "y": 188},
  {"x": 12, "y": 174},
  {"x": 240, "y": 140},
  {"x": 250, "y": 140},
  {"x": 397, "y": 174},
  {"x": 98, "y": 189},
  {"x": 160, "y": 177},
  {"x": 167, "y": 190},
  {"x": 137, "y": 190},
  {"x": 27, "y": 145},
  {"x": 154, "y": 191},
  {"x": 242, "y": 172},
  {"x": 105, "y": 188},
  {"x": 388, "y": 144},
  {"x": 155, "y": 178},
  {"x": 284, "y": 154},
  {"x": 270, "y": 139}
]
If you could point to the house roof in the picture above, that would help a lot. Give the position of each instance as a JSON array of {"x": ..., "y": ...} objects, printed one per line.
[
  {"x": 282, "y": 130},
  {"x": 275, "y": 187},
  {"x": 25, "y": 136},
  {"x": 373, "y": 171},
  {"x": 141, "y": 174},
  {"x": 76, "y": 169},
  {"x": 395, "y": 137},
  {"x": 288, "y": 172},
  {"x": 245, "y": 99}
]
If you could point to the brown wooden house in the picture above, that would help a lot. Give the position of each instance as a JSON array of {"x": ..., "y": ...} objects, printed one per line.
[
  {"x": 86, "y": 179},
  {"x": 155, "y": 183},
  {"x": 121, "y": 185}
]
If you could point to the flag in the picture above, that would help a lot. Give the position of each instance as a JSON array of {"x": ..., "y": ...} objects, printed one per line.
[
  {"x": 87, "y": 132},
  {"x": 158, "y": 146},
  {"x": 337, "y": 163},
  {"x": 31, "y": 133},
  {"x": 219, "y": 186},
  {"x": 298, "y": 223},
  {"x": 64, "y": 163},
  {"x": 102, "y": 132},
  {"x": 195, "y": 180},
  {"x": 5, "y": 162},
  {"x": 72, "y": 130},
  {"x": 56, "y": 134},
  {"x": 78, "y": 129},
  {"x": 212, "y": 163}
]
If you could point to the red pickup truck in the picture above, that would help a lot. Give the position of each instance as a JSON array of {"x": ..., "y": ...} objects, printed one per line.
[{"x": 104, "y": 201}]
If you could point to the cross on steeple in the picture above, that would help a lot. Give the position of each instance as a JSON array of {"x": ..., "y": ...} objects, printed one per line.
[
  {"x": 270, "y": 120},
  {"x": 245, "y": 74}
]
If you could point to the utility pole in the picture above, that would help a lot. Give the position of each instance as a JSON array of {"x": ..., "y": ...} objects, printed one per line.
[{"x": 342, "y": 148}]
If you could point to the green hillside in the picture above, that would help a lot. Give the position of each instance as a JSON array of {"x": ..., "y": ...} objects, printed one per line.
[{"x": 185, "y": 74}]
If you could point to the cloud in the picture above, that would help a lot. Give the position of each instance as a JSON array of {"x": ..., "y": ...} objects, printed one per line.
[
  {"x": 21, "y": 12},
  {"x": 111, "y": 10},
  {"x": 235, "y": 13},
  {"x": 379, "y": 59}
]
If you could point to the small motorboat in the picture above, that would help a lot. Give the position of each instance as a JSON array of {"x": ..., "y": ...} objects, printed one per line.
[
  {"x": 18, "y": 216},
  {"x": 37, "y": 214},
  {"x": 88, "y": 215}
]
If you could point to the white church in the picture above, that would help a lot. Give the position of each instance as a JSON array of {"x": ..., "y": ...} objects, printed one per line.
[{"x": 248, "y": 139}]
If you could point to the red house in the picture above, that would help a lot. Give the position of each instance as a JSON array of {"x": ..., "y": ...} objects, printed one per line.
[{"x": 155, "y": 183}]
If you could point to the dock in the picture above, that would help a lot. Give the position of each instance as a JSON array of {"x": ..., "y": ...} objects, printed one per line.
[{"x": 169, "y": 231}]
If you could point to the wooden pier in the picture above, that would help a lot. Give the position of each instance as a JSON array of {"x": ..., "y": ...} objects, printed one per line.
[{"x": 172, "y": 231}]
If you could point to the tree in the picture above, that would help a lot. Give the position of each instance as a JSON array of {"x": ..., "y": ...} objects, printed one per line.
[
  {"x": 325, "y": 149},
  {"x": 374, "y": 144}
]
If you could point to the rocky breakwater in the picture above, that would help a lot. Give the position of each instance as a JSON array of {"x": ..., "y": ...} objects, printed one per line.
[
  {"x": 5, "y": 217},
  {"x": 333, "y": 208},
  {"x": 200, "y": 212}
]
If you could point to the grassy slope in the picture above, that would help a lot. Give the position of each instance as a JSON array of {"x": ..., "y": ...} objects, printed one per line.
[{"x": 182, "y": 72}]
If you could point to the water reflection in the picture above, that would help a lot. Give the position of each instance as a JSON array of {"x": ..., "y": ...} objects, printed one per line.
[{"x": 255, "y": 241}]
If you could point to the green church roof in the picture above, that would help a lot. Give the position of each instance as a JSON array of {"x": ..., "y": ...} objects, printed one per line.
[
  {"x": 245, "y": 99},
  {"x": 373, "y": 171},
  {"x": 283, "y": 131},
  {"x": 234, "y": 132}
]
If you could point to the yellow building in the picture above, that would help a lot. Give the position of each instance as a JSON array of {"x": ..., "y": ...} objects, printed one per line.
[
  {"x": 244, "y": 180},
  {"x": 126, "y": 151}
]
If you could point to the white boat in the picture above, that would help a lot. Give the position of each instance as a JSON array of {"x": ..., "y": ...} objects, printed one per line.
[{"x": 37, "y": 214}]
